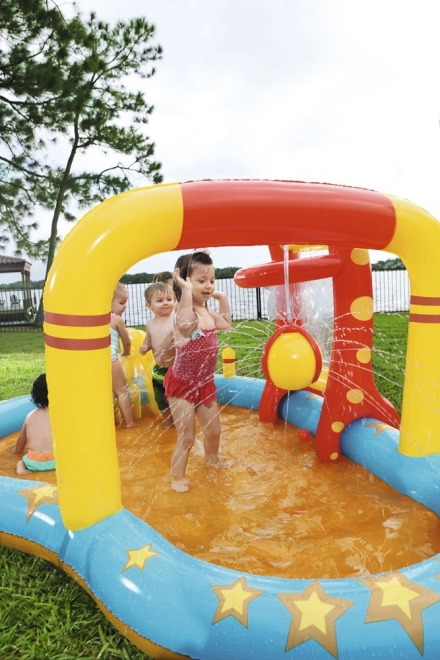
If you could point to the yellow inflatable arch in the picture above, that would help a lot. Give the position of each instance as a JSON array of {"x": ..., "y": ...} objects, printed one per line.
[{"x": 138, "y": 224}]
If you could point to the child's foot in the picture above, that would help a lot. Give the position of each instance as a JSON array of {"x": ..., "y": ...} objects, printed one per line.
[
  {"x": 21, "y": 470},
  {"x": 179, "y": 484},
  {"x": 216, "y": 461}
]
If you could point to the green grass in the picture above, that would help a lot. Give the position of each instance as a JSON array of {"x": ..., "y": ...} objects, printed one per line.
[
  {"x": 22, "y": 355},
  {"x": 389, "y": 355},
  {"x": 46, "y": 614},
  {"x": 21, "y": 361},
  {"x": 247, "y": 338}
]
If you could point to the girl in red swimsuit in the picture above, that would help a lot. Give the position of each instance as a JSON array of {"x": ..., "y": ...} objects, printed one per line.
[{"x": 189, "y": 383}]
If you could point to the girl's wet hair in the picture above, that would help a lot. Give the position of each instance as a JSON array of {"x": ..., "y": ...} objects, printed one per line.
[
  {"x": 155, "y": 288},
  {"x": 39, "y": 394},
  {"x": 163, "y": 277},
  {"x": 186, "y": 263}
]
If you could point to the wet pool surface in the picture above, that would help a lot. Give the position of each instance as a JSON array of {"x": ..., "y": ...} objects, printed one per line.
[{"x": 275, "y": 511}]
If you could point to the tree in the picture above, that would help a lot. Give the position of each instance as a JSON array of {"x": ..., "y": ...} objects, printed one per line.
[
  {"x": 137, "y": 278},
  {"x": 225, "y": 273},
  {"x": 389, "y": 264},
  {"x": 99, "y": 112},
  {"x": 87, "y": 106},
  {"x": 34, "y": 44}
]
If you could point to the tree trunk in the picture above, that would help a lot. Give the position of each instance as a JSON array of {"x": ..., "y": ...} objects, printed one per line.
[{"x": 38, "y": 323}]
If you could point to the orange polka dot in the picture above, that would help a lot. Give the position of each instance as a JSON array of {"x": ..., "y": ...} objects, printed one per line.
[
  {"x": 362, "y": 308},
  {"x": 355, "y": 396},
  {"x": 337, "y": 426},
  {"x": 363, "y": 355},
  {"x": 360, "y": 257}
]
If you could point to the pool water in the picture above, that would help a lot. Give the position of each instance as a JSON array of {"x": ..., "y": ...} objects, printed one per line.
[{"x": 276, "y": 511}]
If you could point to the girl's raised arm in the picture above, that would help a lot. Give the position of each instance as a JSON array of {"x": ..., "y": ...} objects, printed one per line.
[
  {"x": 223, "y": 318},
  {"x": 185, "y": 320}
]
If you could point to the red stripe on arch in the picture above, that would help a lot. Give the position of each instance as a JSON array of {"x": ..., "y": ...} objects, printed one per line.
[
  {"x": 424, "y": 300},
  {"x": 424, "y": 318},
  {"x": 77, "y": 344},
  {"x": 77, "y": 320},
  {"x": 277, "y": 212}
]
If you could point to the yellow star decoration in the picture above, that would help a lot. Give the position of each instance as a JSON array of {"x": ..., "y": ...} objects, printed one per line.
[
  {"x": 44, "y": 494},
  {"x": 314, "y": 614},
  {"x": 139, "y": 557},
  {"x": 393, "y": 596},
  {"x": 380, "y": 427},
  {"x": 234, "y": 600}
]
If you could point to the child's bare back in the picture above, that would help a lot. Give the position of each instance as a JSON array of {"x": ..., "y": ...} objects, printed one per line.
[
  {"x": 37, "y": 428},
  {"x": 36, "y": 433}
]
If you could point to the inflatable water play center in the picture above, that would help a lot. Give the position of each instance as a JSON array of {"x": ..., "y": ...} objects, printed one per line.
[{"x": 173, "y": 605}]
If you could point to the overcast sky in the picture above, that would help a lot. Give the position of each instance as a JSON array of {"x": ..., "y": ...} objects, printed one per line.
[{"x": 337, "y": 91}]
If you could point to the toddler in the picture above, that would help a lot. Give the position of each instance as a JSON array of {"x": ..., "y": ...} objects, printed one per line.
[
  {"x": 36, "y": 433},
  {"x": 189, "y": 382},
  {"x": 118, "y": 330},
  {"x": 159, "y": 338}
]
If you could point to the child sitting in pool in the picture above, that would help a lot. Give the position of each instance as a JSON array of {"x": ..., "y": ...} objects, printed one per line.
[
  {"x": 36, "y": 433},
  {"x": 159, "y": 338},
  {"x": 189, "y": 382},
  {"x": 118, "y": 330}
]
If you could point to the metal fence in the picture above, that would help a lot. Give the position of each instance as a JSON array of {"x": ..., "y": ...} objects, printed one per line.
[
  {"x": 18, "y": 309},
  {"x": 391, "y": 294}
]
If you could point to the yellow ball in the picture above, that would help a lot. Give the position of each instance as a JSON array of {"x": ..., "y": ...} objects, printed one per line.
[{"x": 291, "y": 362}]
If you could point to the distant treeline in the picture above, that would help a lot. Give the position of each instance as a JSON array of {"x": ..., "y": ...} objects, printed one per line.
[
  {"x": 146, "y": 278},
  {"x": 38, "y": 284},
  {"x": 389, "y": 264},
  {"x": 228, "y": 273},
  {"x": 220, "y": 273},
  {"x": 137, "y": 278}
]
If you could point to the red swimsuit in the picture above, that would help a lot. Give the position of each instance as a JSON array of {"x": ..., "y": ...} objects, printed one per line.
[{"x": 192, "y": 375}]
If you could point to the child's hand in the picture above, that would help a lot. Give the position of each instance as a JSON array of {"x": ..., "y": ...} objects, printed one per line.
[
  {"x": 143, "y": 350},
  {"x": 181, "y": 282},
  {"x": 218, "y": 295}
]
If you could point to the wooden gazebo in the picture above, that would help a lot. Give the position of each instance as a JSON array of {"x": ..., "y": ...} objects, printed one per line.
[{"x": 18, "y": 265}]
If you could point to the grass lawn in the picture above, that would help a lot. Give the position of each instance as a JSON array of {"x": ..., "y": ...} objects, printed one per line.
[
  {"x": 389, "y": 355},
  {"x": 46, "y": 614},
  {"x": 21, "y": 361}
]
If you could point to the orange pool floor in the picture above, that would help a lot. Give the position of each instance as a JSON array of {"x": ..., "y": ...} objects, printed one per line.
[{"x": 275, "y": 511}]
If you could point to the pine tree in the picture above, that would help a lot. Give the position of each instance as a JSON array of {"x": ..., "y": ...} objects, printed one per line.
[
  {"x": 34, "y": 44},
  {"x": 69, "y": 89},
  {"x": 99, "y": 113}
]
